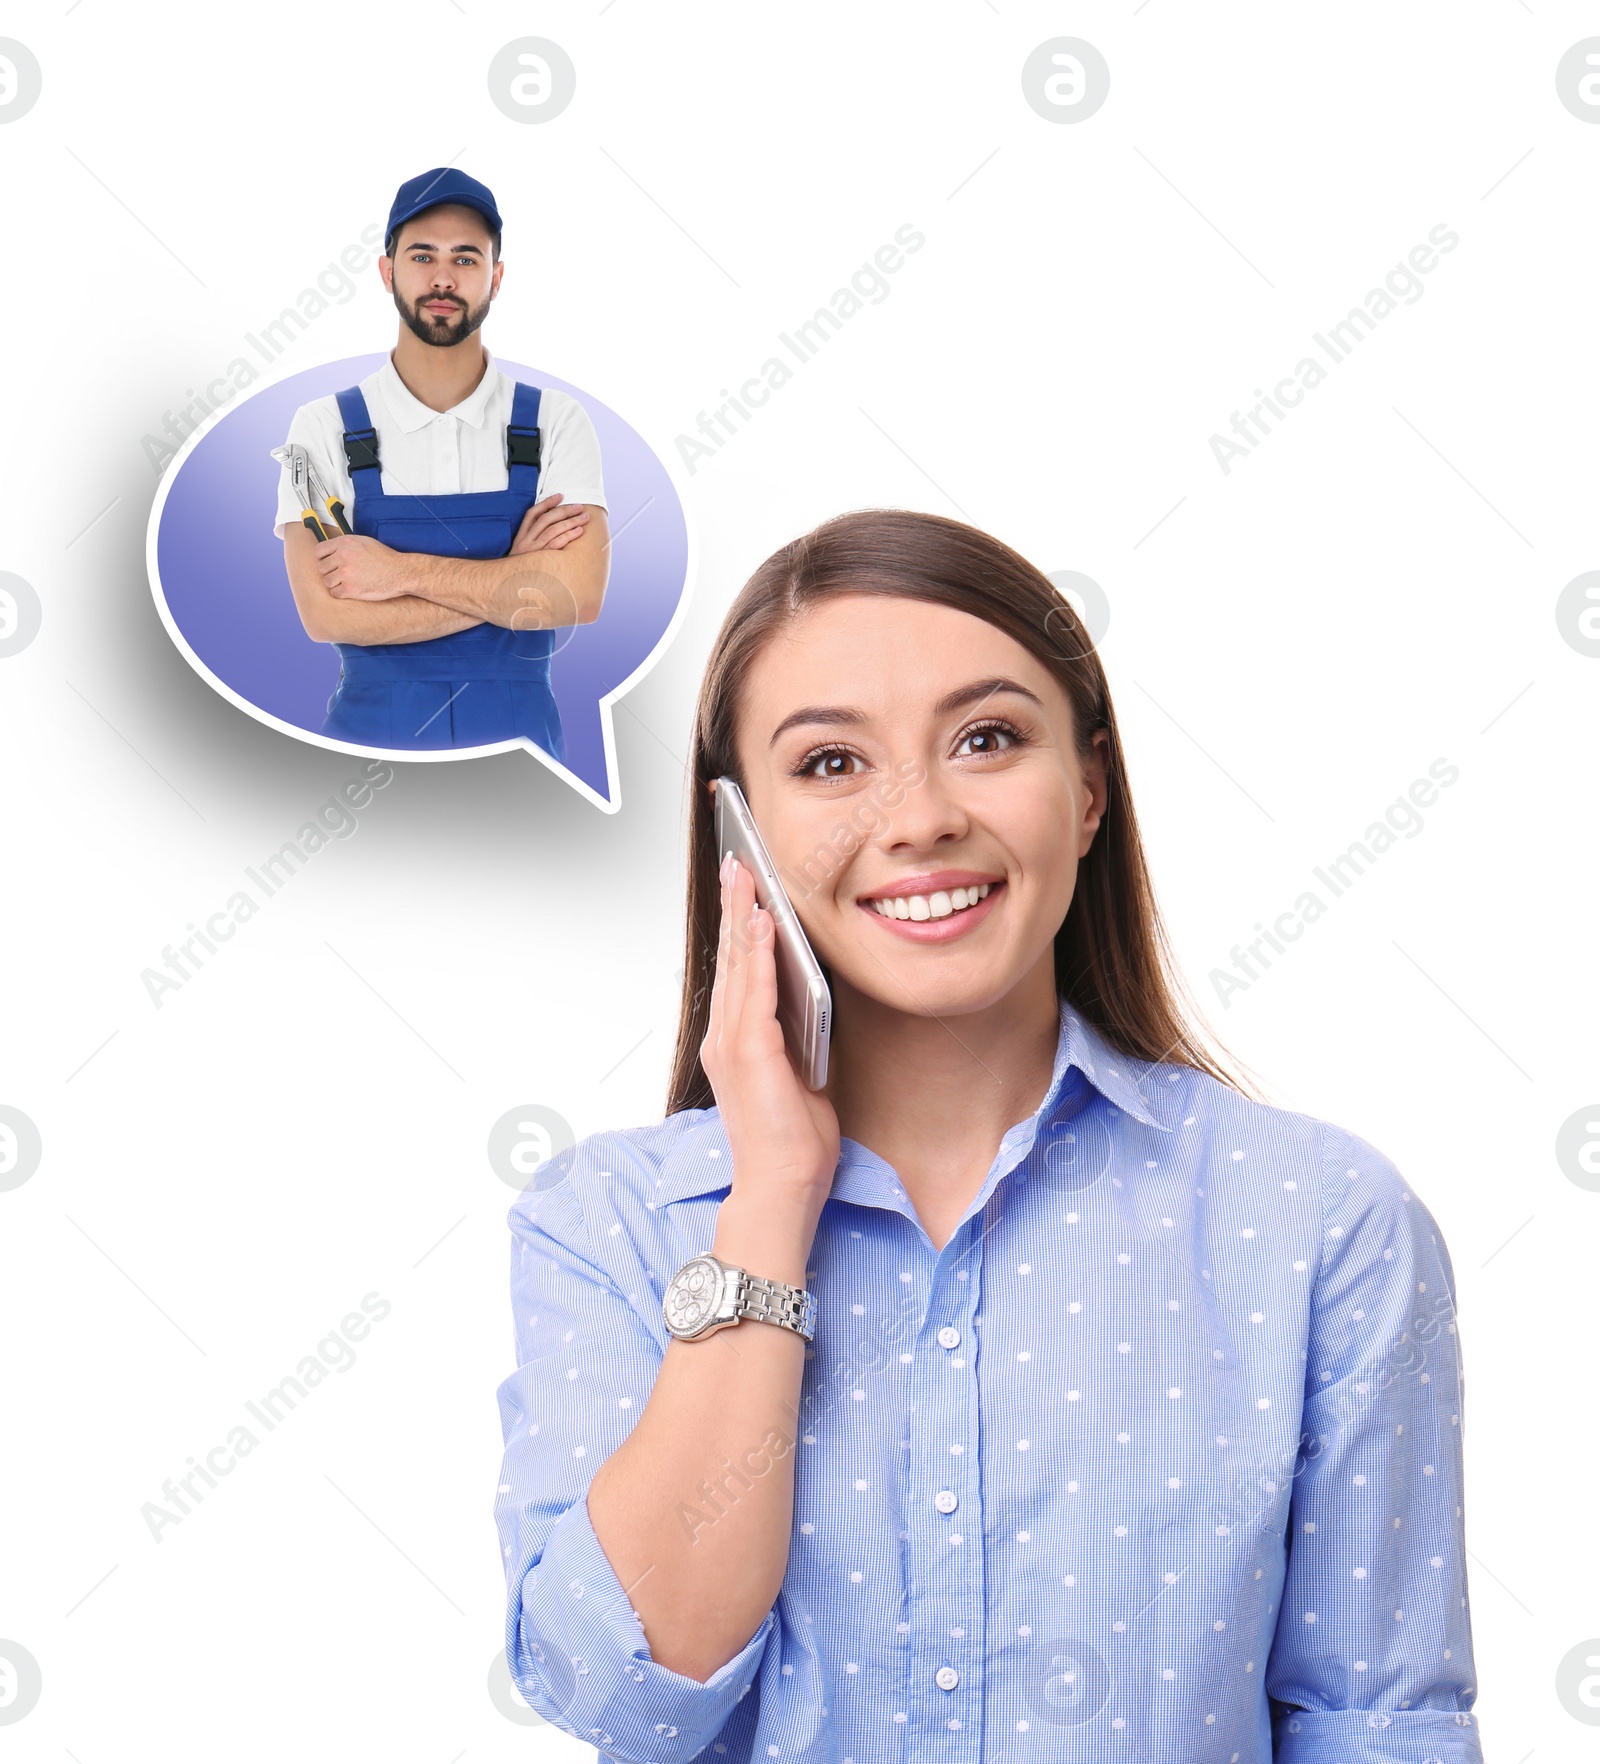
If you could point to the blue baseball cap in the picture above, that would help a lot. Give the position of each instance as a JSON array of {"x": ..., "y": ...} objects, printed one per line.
[{"x": 430, "y": 188}]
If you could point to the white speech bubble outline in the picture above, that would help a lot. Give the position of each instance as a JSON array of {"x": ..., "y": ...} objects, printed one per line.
[{"x": 609, "y": 804}]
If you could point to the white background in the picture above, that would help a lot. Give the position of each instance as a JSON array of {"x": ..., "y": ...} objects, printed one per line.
[{"x": 305, "y": 1121}]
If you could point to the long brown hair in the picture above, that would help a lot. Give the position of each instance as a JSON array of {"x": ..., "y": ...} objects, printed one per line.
[{"x": 1113, "y": 960}]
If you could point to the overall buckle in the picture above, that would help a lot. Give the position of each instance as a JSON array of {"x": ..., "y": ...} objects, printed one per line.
[
  {"x": 361, "y": 449},
  {"x": 522, "y": 446}
]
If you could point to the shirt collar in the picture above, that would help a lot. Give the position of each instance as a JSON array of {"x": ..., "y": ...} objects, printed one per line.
[
  {"x": 700, "y": 1161},
  {"x": 1120, "y": 1078},
  {"x": 410, "y": 413}
]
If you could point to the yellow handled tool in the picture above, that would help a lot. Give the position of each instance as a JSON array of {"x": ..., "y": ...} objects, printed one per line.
[
  {"x": 301, "y": 478},
  {"x": 320, "y": 496}
]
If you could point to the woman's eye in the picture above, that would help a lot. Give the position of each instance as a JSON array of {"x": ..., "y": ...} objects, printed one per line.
[
  {"x": 829, "y": 763},
  {"x": 990, "y": 739}
]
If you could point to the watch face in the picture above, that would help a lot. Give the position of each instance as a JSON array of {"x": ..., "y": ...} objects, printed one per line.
[{"x": 693, "y": 1293}]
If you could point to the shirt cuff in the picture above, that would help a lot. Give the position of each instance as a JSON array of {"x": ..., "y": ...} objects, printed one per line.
[
  {"x": 579, "y": 1657},
  {"x": 1371, "y": 1736},
  {"x": 570, "y": 498}
]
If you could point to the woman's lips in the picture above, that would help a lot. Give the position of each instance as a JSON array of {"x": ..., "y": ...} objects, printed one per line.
[{"x": 957, "y": 924}]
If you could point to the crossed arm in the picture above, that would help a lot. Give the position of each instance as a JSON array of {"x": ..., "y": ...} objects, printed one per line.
[{"x": 351, "y": 589}]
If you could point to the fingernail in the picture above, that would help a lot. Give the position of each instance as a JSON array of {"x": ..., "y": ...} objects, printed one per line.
[{"x": 722, "y": 869}]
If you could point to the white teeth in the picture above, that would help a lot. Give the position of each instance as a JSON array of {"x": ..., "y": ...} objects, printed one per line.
[{"x": 939, "y": 905}]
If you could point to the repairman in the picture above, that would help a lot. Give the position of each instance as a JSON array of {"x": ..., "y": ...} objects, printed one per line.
[{"x": 477, "y": 504}]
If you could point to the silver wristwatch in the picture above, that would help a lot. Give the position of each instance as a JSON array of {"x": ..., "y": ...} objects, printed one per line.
[{"x": 706, "y": 1295}]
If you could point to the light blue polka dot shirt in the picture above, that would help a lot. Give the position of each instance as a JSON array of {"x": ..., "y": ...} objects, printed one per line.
[{"x": 1157, "y": 1460}]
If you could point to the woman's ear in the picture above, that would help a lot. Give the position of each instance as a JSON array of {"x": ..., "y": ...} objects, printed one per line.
[{"x": 1096, "y": 790}]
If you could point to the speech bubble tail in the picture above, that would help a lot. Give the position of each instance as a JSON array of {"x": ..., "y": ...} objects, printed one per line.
[{"x": 588, "y": 760}]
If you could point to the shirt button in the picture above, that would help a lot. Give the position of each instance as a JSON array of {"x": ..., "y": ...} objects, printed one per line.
[
  {"x": 947, "y": 1678},
  {"x": 945, "y": 1500},
  {"x": 949, "y": 1338}
]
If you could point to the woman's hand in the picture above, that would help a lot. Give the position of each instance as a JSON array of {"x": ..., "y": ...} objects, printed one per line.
[{"x": 784, "y": 1137}]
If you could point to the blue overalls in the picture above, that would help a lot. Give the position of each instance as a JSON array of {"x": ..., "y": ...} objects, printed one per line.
[{"x": 477, "y": 686}]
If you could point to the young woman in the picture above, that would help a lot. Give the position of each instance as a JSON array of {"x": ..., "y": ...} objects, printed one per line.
[{"x": 1082, "y": 1406}]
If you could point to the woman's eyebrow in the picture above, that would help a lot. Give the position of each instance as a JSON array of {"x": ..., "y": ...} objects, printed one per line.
[
  {"x": 836, "y": 714},
  {"x": 982, "y": 689},
  {"x": 817, "y": 713}
]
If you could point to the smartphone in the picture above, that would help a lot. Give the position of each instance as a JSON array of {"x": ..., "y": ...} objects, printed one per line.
[{"x": 805, "y": 1005}]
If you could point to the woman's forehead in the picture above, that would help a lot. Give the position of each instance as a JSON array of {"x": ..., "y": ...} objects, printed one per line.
[{"x": 858, "y": 636}]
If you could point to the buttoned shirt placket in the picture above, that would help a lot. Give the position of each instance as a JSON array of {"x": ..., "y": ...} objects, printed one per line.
[{"x": 943, "y": 1494}]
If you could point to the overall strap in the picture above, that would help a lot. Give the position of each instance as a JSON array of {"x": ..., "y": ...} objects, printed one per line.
[
  {"x": 360, "y": 444},
  {"x": 522, "y": 442}
]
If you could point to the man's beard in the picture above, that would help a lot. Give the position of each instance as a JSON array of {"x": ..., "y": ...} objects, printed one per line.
[{"x": 436, "y": 329}]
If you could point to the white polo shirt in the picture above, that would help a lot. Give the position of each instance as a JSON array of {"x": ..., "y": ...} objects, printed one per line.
[{"x": 423, "y": 452}]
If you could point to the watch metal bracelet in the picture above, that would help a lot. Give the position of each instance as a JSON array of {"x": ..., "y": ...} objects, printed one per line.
[{"x": 774, "y": 1301}]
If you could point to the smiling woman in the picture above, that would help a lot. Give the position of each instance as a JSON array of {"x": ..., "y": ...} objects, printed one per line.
[
  {"x": 1095, "y": 1393},
  {"x": 869, "y": 597}
]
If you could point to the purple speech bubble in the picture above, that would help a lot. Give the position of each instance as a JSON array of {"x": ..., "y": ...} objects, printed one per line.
[{"x": 216, "y": 571}]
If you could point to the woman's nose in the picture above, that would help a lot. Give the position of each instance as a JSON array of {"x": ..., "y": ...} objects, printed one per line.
[{"x": 926, "y": 813}]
